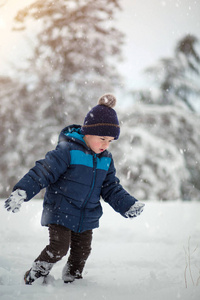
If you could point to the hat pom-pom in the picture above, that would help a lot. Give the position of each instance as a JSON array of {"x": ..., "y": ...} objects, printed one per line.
[{"x": 107, "y": 100}]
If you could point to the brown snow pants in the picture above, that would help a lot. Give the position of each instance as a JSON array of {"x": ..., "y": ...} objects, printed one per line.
[{"x": 60, "y": 239}]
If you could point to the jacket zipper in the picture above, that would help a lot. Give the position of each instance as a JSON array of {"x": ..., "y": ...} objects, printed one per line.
[{"x": 90, "y": 193}]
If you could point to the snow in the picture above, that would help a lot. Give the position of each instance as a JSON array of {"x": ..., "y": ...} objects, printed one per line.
[{"x": 142, "y": 258}]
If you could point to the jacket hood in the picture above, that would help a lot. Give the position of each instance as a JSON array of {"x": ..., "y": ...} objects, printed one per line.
[{"x": 72, "y": 132}]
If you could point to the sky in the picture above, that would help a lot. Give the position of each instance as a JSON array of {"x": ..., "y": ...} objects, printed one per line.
[{"x": 152, "y": 29}]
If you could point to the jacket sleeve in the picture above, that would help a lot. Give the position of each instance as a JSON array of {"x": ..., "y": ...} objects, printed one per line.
[
  {"x": 45, "y": 171},
  {"x": 113, "y": 193}
]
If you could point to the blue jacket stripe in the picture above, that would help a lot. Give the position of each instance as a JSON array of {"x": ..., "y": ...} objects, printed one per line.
[
  {"x": 103, "y": 163},
  {"x": 80, "y": 158}
]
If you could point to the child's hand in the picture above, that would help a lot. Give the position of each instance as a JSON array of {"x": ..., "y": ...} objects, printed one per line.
[
  {"x": 15, "y": 200},
  {"x": 135, "y": 210}
]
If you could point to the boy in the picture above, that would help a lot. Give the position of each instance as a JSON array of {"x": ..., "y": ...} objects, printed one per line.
[{"x": 76, "y": 174}]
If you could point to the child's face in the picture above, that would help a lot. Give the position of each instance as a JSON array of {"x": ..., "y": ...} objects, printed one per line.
[{"x": 97, "y": 143}]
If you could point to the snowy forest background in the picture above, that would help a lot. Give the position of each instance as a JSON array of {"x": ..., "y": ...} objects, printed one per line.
[{"x": 74, "y": 60}]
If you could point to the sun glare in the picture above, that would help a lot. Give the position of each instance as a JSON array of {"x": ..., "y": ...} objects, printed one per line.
[
  {"x": 9, "y": 40},
  {"x": 2, "y": 23}
]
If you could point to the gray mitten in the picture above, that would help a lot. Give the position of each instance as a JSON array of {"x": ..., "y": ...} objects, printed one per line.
[
  {"x": 135, "y": 210},
  {"x": 15, "y": 200}
]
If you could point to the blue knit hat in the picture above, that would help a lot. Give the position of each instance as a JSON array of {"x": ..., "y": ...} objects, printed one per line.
[{"x": 102, "y": 119}]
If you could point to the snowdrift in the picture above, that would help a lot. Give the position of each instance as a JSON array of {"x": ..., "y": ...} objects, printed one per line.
[{"x": 143, "y": 258}]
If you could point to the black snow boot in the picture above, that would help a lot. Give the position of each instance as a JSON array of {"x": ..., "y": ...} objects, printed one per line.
[
  {"x": 68, "y": 277},
  {"x": 39, "y": 268},
  {"x": 28, "y": 279}
]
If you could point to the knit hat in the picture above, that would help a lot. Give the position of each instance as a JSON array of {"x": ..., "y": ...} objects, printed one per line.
[{"x": 102, "y": 119}]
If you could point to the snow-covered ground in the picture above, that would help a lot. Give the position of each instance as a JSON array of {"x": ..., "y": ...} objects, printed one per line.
[{"x": 141, "y": 259}]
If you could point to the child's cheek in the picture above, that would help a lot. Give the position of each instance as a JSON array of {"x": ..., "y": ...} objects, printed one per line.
[{"x": 97, "y": 144}]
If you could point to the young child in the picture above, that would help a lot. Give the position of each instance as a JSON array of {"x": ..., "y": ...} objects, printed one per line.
[{"x": 76, "y": 174}]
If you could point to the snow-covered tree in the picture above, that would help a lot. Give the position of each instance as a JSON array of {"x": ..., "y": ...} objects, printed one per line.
[
  {"x": 188, "y": 55},
  {"x": 73, "y": 59},
  {"x": 157, "y": 156},
  {"x": 13, "y": 113},
  {"x": 177, "y": 78},
  {"x": 165, "y": 131}
]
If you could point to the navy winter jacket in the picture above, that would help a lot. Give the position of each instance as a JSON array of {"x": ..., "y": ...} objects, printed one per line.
[{"x": 75, "y": 178}]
